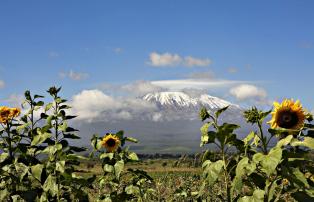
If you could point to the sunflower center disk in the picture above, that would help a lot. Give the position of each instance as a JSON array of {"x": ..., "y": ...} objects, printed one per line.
[
  {"x": 111, "y": 143},
  {"x": 287, "y": 119}
]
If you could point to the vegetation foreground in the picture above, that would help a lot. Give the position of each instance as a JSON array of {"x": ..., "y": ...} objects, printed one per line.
[{"x": 38, "y": 162}]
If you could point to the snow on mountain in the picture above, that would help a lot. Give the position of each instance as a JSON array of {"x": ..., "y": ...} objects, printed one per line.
[
  {"x": 180, "y": 100},
  {"x": 181, "y": 106}
]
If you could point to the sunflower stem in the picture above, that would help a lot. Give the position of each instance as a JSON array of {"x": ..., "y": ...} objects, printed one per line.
[{"x": 263, "y": 139}]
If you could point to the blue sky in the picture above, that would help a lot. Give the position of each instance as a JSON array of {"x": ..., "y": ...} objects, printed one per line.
[{"x": 83, "y": 44}]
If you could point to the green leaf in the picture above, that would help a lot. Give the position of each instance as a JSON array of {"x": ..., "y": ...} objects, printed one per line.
[
  {"x": 50, "y": 185},
  {"x": 207, "y": 137},
  {"x": 49, "y": 119},
  {"x": 63, "y": 126},
  {"x": 118, "y": 168},
  {"x": 60, "y": 166},
  {"x": 37, "y": 170},
  {"x": 131, "y": 189},
  {"x": 71, "y": 136},
  {"x": 205, "y": 127},
  {"x": 108, "y": 168},
  {"x": 270, "y": 161},
  {"x": 4, "y": 194},
  {"x": 48, "y": 106},
  {"x": 258, "y": 196},
  {"x": 272, "y": 190},
  {"x": 3, "y": 157},
  {"x": 40, "y": 138},
  {"x": 40, "y": 103},
  {"x": 130, "y": 139},
  {"x": 132, "y": 156},
  {"x": 307, "y": 142},
  {"x": 248, "y": 138},
  {"x": 212, "y": 170},
  {"x": 106, "y": 155},
  {"x": 300, "y": 177},
  {"x": 96, "y": 142},
  {"x": 218, "y": 112},
  {"x": 284, "y": 141},
  {"x": 244, "y": 167},
  {"x": 204, "y": 114},
  {"x": 120, "y": 134},
  {"x": 21, "y": 169}
]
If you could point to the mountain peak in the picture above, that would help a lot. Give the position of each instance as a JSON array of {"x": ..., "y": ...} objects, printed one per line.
[{"x": 183, "y": 100}]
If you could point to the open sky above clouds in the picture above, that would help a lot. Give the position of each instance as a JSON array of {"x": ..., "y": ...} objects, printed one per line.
[{"x": 248, "y": 52}]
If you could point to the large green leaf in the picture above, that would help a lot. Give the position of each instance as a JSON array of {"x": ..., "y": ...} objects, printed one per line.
[
  {"x": 21, "y": 169},
  {"x": 212, "y": 170},
  {"x": 4, "y": 194},
  {"x": 106, "y": 155},
  {"x": 50, "y": 185},
  {"x": 37, "y": 170},
  {"x": 284, "y": 141},
  {"x": 60, "y": 166},
  {"x": 270, "y": 161},
  {"x": 248, "y": 138},
  {"x": 118, "y": 168},
  {"x": 133, "y": 156},
  {"x": 3, "y": 157},
  {"x": 258, "y": 196},
  {"x": 307, "y": 142},
  {"x": 40, "y": 138},
  {"x": 299, "y": 176},
  {"x": 244, "y": 167}
]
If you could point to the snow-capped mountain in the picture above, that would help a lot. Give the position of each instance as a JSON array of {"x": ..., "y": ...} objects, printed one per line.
[
  {"x": 180, "y": 100},
  {"x": 181, "y": 106}
]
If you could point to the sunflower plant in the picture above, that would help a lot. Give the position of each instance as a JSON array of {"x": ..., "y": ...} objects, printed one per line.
[
  {"x": 262, "y": 170},
  {"x": 118, "y": 183},
  {"x": 11, "y": 173},
  {"x": 221, "y": 170},
  {"x": 38, "y": 162}
]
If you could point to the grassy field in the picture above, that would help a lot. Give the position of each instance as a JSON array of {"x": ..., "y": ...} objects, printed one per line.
[
  {"x": 170, "y": 178},
  {"x": 174, "y": 179}
]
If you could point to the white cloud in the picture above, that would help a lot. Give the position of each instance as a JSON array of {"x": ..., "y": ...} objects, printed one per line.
[
  {"x": 248, "y": 92},
  {"x": 77, "y": 76},
  {"x": 191, "y": 62},
  {"x": 89, "y": 104},
  {"x": 96, "y": 105},
  {"x": 171, "y": 60},
  {"x": 194, "y": 83},
  {"x": 2, "y": 84},
  {"x": 166, "y": 59}
]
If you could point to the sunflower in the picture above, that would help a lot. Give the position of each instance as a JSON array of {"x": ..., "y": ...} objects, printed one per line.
[
  {"x": 4, "y": 114},
  {"x": 14, "y": 112},
  {"x": 111, "y": 142},
  {"x": 7, "y": 113},
  {"x": 288, "y": 115}
]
